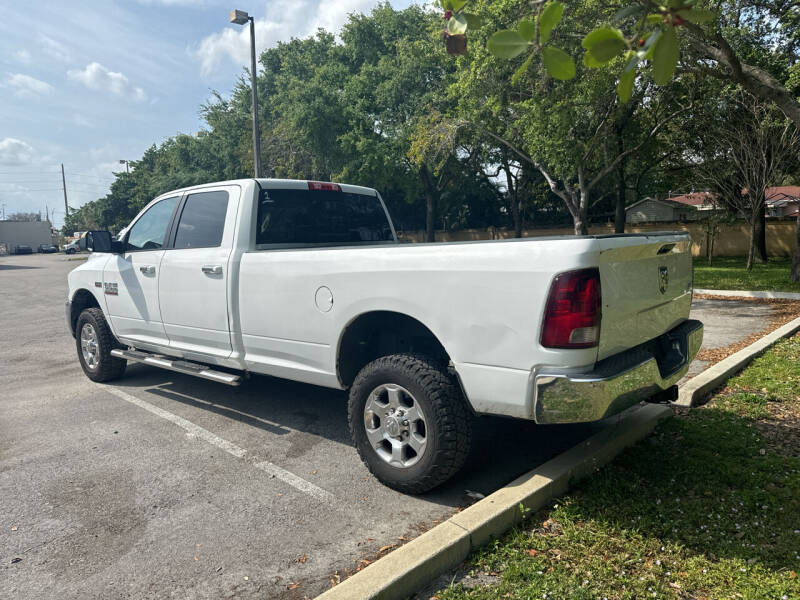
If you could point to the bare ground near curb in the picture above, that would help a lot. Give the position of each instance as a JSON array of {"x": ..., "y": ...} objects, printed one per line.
[{"x": 784, "y": 311}]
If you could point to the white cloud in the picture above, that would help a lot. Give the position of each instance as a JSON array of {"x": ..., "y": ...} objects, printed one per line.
[
  {"x": 285, "y": 19},
  {"x": 97, "y": 77},
  {"x": 54, "y": 49},
  {"x": 26, "y": 86},
  {"x": 22, "y": 56},
  {"x": 14, "y": 152}
]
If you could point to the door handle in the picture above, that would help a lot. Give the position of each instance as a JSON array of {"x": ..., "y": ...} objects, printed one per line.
[
  {"x": 148, "y": 269},
  {"x": 212, "y": 269}
]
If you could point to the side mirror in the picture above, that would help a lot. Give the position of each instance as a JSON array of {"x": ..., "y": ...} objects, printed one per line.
[{"x": 99, "y": 241}]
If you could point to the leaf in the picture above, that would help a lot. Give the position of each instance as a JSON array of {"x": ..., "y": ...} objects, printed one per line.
[
  {"x": 506, "y": 43},
  {"x": 625, "y": 85},
  {"x": 654, "y": 18},
  {"x": 457, "y": 25},
  {"x": 590, "y": 61},
  {"x": 456, "y": 5},
  {"x": 523, "y": 68},
  {"x": 551, "y": 15},
  {"x": 627, "y": 11},
  {"x": 527, "y": 29},
  {"x": 605, "y": 50},
  {"x": 698, "y": 15},
  {"x": 665, "y": 56},
  {"x": 473, "y": 21},
  {"x": 558, "y": 63},
  {"x": 600, "y": 34}
]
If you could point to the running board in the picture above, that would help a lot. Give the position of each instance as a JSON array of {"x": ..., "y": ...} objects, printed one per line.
[{"x": 179, "y": 366}]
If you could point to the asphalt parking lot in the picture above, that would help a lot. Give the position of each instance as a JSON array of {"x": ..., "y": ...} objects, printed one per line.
[{"x": 162, "y": 485}]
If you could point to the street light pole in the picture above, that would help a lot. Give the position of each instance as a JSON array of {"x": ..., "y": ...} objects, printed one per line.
[
  {"x": 240, "y": 17},
  {"x": 122, "y": 160}
]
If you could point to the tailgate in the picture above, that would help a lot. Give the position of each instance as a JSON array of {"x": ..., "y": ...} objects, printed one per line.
[{"x": 646, "y": 284}]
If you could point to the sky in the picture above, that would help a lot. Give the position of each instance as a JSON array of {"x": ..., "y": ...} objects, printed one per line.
[{"x": 89, "y": 83}]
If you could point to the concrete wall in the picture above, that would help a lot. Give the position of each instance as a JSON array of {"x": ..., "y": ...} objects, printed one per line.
[
  {"x": 28, "y": 233},
  {"x": 731, "y": 241}
]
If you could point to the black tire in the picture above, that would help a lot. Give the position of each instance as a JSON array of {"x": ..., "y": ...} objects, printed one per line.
[
  {"x": 448, "y": 421},
  {"x": 107, "y": 367}
]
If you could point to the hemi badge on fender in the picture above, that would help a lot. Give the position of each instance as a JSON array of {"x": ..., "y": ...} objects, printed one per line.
[
  {"x": 98, "y": 284},
  {"x": 111, "y": 289}
]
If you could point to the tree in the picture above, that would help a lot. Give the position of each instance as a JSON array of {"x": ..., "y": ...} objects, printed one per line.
[
  {"x": 750, "y": 43},
  {"x": 25, "y": 216},
  {"x": 750, "y": 149}
]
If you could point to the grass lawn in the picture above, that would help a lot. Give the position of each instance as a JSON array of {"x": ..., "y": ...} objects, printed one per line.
[
  {"x": 707, "y": 507},
  {"x": 728, "y": 273}
]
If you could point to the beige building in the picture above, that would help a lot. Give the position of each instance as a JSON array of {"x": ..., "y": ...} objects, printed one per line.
[
  {"x": 650, "y": 210},
  {"x": 27, "y": 233}
]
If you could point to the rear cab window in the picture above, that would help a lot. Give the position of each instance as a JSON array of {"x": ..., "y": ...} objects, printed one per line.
[{"x": 297, "y": 218}]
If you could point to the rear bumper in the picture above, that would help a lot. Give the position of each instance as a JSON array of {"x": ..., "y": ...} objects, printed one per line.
[{"x": 619, "y": 381}]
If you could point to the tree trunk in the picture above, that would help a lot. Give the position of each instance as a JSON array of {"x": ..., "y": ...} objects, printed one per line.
[
  {"x": 752, "y": 246},
  {"x": 619, "y": 209},
  {"x": 430, "y": 204},
  {"x": 430, "y": 216},
  {"x": 760, "y": 255},
  {"x": 794, "y": 275},
  {"x": 581, "y": 220}
]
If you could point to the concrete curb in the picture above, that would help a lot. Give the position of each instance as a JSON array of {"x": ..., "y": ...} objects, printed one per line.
[
  {"x": 744, "y": 294},
  {"x": 410, "y": 567},
  {"x": 701, "y": 384}
]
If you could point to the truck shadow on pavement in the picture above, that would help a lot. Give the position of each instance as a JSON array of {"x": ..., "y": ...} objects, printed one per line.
[
  {"x": 16, "y": 267},
  {"x": 502, "y": 448}
]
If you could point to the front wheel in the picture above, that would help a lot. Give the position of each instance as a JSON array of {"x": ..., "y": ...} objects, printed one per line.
[
  {"x": 409, "y": 421},
  {"x": 95, "y": 342}
]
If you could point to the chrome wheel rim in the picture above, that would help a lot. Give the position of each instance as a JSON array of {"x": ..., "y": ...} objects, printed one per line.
[
  {"x": 89, "y": 346},
  {"x": 395, "y": 425}
]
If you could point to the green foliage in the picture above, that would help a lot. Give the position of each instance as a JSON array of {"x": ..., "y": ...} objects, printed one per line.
[
  {"x": 558, "y": 63},
  {"x": 665, "y": 56},
  {"x": 507, "y": 43},
  {"x": 706, "y": 507},
  {"x": 605, "y": 42},
  {"x": 548, "y": 19}
]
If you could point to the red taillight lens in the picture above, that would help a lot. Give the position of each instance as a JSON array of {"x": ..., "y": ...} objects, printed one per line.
[
  {"x": 324, "y": 185},
  {"x": 572, "y": 316}
]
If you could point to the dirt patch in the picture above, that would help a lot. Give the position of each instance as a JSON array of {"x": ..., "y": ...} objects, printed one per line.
[
  {"x": 784, "y": 311},
  {"x": 782, "y": 429}
]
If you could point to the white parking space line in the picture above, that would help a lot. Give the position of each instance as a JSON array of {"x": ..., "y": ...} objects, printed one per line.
[{"x": 272, "y": 469}]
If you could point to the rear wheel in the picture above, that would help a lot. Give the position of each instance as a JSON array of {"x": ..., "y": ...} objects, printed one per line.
[
  {"x": 409, "y": 421},
  {"x": 95, "y": 342}
]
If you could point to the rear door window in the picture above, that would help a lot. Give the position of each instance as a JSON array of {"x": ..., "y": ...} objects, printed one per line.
[
  {"x": 202, "y": 220},
  {"x": 320, "y": 218}
]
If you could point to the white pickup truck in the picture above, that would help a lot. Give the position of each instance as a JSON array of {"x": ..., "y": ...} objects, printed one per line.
[{"x": 306, "y": 280}]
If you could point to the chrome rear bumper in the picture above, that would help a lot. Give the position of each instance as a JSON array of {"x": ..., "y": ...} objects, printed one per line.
[{"x": 619, "y": 381}]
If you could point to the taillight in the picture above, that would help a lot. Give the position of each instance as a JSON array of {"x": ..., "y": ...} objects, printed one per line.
[
  {"x": 324, "y": 186},
  {"x": 572, "y": 315}
]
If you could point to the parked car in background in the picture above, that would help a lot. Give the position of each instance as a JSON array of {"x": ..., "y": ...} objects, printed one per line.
[
  {"x": 73, "y": 247},
  {"x": 22, "y": 249},
  {"x": 47, "y": 249}
]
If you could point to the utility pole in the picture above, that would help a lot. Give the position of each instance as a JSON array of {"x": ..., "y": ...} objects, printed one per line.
[{"x": 64, "y": 183}]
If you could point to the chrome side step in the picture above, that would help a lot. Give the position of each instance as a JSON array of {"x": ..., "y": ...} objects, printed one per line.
[{"x": 179, "y": 366}]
